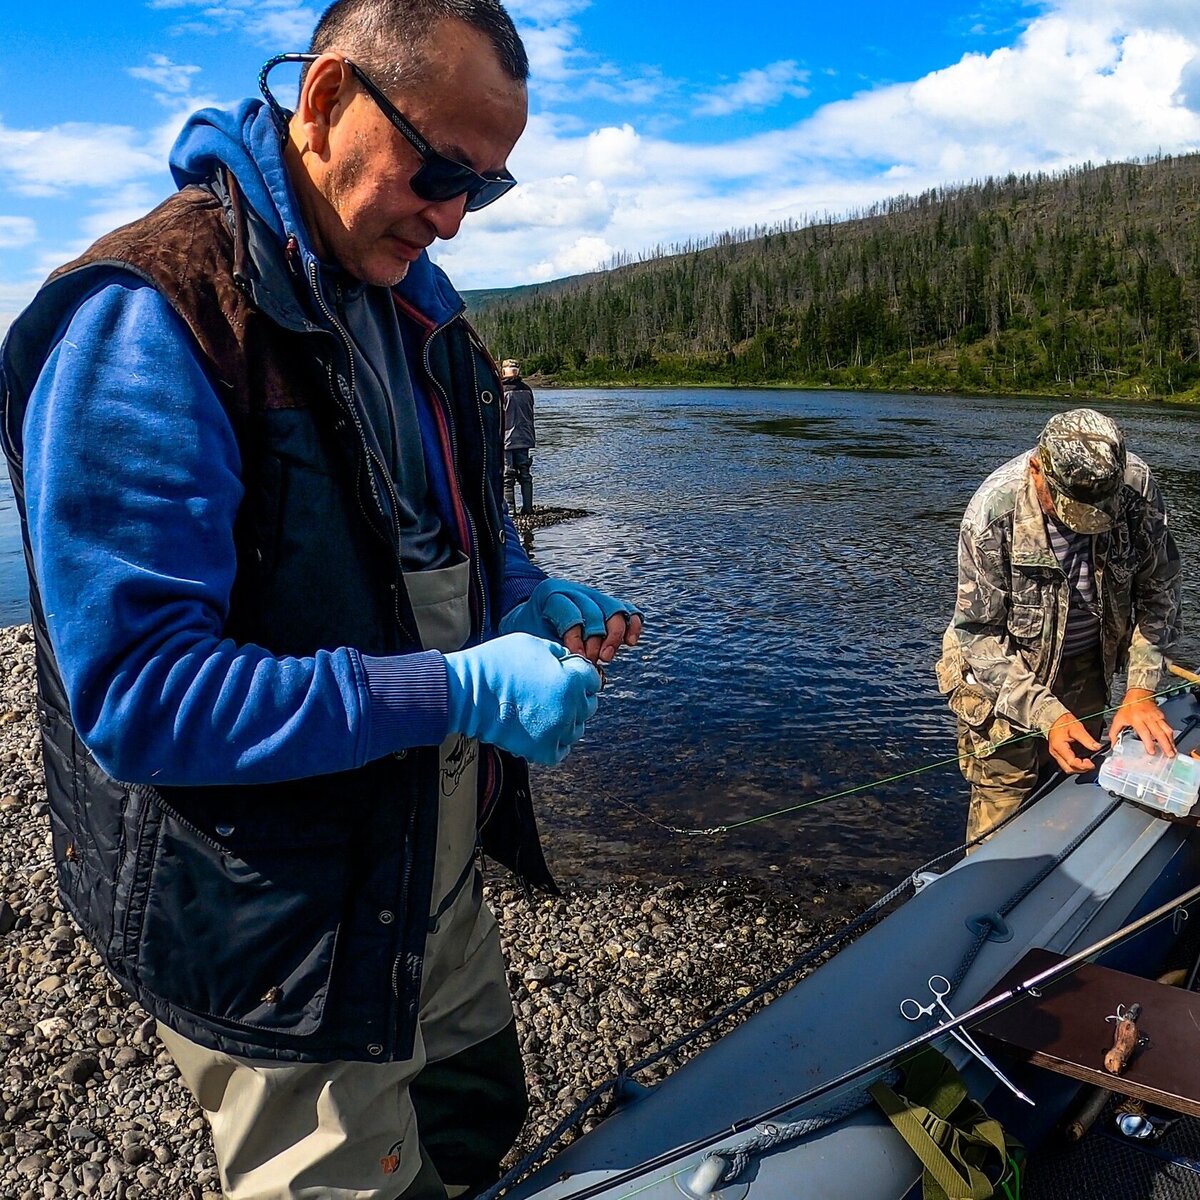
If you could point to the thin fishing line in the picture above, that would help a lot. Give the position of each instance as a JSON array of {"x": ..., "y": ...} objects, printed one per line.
[
  {"x": 744, "y": 1124},
  {"x": 523, "y": 1168},
  {"x": 717, "y": 830}
]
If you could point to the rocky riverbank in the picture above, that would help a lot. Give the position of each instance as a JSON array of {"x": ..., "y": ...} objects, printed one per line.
[
  {"x": 543, "y": 517},
  {"x": 90, "y": 1103}
]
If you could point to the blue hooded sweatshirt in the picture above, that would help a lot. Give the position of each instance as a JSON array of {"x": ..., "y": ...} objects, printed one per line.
[{"x": 133, "y": 482}]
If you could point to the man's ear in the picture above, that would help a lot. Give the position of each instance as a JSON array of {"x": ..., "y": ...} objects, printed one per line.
[
  {"x": 323, "y": 101},
  {"x": 1038, "y": 474}
]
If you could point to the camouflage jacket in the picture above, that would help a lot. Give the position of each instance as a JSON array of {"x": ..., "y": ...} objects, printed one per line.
[{"x": 1002, "y": 649}]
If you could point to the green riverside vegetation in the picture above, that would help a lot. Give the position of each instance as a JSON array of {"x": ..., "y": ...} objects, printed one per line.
[{"x": 1085, "y": 283}]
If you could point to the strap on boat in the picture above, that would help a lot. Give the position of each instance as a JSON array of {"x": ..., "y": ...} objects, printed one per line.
[{"x": 958, "y": 1144}]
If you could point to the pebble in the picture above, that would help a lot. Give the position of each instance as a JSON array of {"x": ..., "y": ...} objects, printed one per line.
[
  {"x": 79, "y": 1068},
  {"x": 91, "y": 1105},
  {"x": 32, "y": 1165}
]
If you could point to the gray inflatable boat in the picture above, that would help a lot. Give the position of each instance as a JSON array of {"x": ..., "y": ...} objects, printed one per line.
[{"x": 1074, "y": 867}]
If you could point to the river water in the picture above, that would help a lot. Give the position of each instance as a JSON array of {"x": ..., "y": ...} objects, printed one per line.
[{"x": 794, "y": 553}]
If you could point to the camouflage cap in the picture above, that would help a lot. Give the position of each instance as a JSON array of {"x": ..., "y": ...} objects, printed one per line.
[
  {"x": 510, "y": 366},
  {"x": 1082, "y": 453}
]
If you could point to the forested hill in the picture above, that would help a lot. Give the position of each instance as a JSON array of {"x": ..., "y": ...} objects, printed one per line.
[{"x": 1084, "y": 282}]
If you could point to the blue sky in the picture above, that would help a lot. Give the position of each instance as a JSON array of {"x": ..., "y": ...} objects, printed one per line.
[{"x": 651, "y": 122}]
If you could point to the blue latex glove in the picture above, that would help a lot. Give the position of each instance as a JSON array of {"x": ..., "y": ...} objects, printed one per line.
[
  {"x": 557, "y": 605},
  {"x": 525, "y": 695}
]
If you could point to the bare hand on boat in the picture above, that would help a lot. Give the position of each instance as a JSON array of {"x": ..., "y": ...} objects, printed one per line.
[
  {"x": 1063, "y": 736},
  {"x": 1140, "y": 713}
]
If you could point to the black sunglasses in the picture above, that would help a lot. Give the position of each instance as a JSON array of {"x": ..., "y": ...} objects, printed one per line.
[{"x": 438, "y": 178}]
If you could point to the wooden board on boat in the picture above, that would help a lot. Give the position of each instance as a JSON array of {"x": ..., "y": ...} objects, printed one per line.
[{"x": 1065, "y": 1030}]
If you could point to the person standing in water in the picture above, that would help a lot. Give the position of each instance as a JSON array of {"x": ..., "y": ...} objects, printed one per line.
[{"x": 519, "y": 439}]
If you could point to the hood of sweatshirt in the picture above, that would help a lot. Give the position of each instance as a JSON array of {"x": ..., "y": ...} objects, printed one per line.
[{"x": 248, "y": 141}]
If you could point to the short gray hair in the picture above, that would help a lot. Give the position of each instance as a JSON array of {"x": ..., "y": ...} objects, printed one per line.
[{"x": 386, "y": 37}]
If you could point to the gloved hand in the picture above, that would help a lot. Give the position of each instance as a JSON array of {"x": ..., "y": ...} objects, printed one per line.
[
  {"x": 525, "y": 695},
  {"x": 558, "y": 605}
]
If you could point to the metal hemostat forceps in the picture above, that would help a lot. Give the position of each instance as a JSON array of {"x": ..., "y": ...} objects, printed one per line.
[{"x": 939, "y": 985}]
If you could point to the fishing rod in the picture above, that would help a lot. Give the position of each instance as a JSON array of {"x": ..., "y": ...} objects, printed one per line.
[
  {"x": 523, "y": 1169},
  {"x": 1028, "y": 986}
]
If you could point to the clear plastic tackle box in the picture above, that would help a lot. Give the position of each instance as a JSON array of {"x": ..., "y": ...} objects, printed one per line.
[{"x": 1168, "y": 784}]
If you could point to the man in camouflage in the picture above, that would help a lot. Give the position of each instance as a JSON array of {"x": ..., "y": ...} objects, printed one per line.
[{"x": 1066, "y": 572}]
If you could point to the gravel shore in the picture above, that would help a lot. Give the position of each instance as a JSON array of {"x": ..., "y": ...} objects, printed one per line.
[{"x": 90, "y": 1103}]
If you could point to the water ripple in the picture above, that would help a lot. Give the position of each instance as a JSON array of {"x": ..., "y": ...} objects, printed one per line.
[{"x": 795, "y": 556}]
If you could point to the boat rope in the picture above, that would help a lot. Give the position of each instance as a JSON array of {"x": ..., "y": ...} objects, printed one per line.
[
  {"x": 730, "y": 826},
  {"x": 624, "y": 1079},
  {"x": 997, "y": 1003},
  {"x": 772, "y": 1136},
  {"x": 785, "y": 1135},
  {"x": 986, "y": 928}
]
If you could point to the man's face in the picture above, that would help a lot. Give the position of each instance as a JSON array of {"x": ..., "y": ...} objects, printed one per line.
[{"x": 362, "y": 213}]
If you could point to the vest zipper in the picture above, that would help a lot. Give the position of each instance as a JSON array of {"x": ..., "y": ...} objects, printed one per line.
[
  {"x": 347, "y": 403},
  {"x": 405, "y": 881},
  {"x": 472, "y": 537},
  {"x": 496, "y": 536}
]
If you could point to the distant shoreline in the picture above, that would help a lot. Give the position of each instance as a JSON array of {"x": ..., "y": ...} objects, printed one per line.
[{"x": 546, "y": 383}]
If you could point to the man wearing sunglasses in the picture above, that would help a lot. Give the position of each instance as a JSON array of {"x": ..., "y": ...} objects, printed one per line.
[{"x": 292, "y": 659}]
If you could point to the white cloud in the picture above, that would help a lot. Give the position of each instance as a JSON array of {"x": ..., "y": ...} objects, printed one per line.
[
  {"x": 1189, "y": 85},
  {"x": 545, "y": 12},
  {"x": 13, "y": 298},
  {"x": 562, "y": 202},
  {"x": 583, "y": 254},
  {"x": 1081, "y": 82},
  {"x": 631, "y": 91},
  {"x": 161, "y": 138},
  {"x": 1082, "y": 79},
  {"x": 564, "y": 73},
  {"x": 552, "y": 52},
  {"x": 755, "y": 89},
  {"x": 278, "y": 24},
  {"x": 612, "y": 153},
  {"x": 173, "y": 79},
  {"x": 45, "y": 162},
  {"x": 1067, "y": 92},
  {"x": 115, "y": 209},
  {"x": 1175, "y": 16},
  {"x": 17, "y": 231}
]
